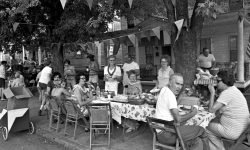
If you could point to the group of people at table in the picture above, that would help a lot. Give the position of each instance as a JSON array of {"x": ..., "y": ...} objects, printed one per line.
[{"x": 231, "y": 109}]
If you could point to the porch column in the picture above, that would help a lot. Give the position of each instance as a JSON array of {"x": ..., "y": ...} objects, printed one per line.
[
  {"x": 240, "y": 48},
  {"x": 137, "y": 50}
]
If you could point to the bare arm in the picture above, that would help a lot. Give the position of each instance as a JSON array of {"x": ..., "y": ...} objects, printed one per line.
[
  {"x": 182, "y": 118},
  {"x": 213, "y": 107},
  {"x": 65, "y": 92}
]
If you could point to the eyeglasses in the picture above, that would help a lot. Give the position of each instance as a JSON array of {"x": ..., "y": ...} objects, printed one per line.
[
  {"x": 112, "y": 60},
  {"x": 83, "y": 78}
]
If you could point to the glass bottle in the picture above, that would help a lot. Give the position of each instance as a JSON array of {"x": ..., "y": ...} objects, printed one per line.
[{"x": 98, "y": 90}]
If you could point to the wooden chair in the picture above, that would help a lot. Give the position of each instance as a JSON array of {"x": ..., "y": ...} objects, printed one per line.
[
  {"x": 243, "y": 139},
  {"x": 73, "y": 115},
  {"x": 55, "y": 112},
  {"x": 165, "y": 126},
  {"x": 100, "y": 121}
]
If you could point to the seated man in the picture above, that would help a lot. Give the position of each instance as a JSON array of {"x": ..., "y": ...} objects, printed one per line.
[
  {"x": 166, "y": 109},
  {"x": 232, "y": 114}
]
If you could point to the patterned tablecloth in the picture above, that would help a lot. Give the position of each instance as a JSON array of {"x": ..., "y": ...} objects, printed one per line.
[
  {"x": 140, "y": 112},
  {"x": 136, "y": 112},
  {"x": 202, "y": 118}
]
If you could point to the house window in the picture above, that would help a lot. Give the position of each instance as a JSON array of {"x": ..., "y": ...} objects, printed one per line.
[
  {"x": 205, "y": 42},
  {"x": 233, "y": 47},
  {"x": 149, "y": 55},
  {"x": 131, "y": 51}
]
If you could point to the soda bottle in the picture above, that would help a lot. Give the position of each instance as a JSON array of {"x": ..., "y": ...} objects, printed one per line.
[{"x": 98, "y": 90}]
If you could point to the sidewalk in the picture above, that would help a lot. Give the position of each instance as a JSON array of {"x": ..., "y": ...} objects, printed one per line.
[{"x": 142, "y": 140}]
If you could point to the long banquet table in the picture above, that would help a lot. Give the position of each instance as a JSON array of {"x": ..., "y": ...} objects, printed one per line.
[{"x": 140, "y": 113}]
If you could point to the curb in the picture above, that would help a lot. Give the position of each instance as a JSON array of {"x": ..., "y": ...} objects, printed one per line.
[{"x": 62, "y": 141}]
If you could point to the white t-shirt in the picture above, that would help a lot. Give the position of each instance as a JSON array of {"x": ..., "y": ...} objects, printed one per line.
[
  {"x": 163, "y": 76},
  {"x": 112, "y": 85},
  {"x": 45, "y": 75},
  {"x": 166, "y": 101},
  {"x": 127, "y": 67},
  {"x": 2, "y": 72},
  {"x": 206, "y": 62}
]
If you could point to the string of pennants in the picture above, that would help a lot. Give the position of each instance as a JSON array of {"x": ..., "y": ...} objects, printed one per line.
[
  {"x": 132, "y": 37},
  {"x": 90, "y": 3}
]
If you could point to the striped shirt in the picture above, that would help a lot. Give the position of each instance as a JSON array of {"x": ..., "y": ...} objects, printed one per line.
[{"x": 235, "y": 113}]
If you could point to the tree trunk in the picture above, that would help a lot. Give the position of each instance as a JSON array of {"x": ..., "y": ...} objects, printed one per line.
[
  {"x": 57, "y": 60},
  {"x": 185, "y": 47}
]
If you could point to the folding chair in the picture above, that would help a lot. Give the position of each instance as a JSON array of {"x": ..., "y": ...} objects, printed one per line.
[
  {"x": 243, "y": 139},
  {"x": 73, "y": 115},
  {"x": 165, "y": 126},
  {"x": 100, "y": 120},
  {"x": 55, "y": 111}
]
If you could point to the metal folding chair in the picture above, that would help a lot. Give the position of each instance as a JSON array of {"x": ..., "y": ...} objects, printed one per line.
[
  {"x": 55, "y": 112},
  {"x": 165, "y": 126},
  {"x": 73, "y": 115},
  {"x": 100, "y": 121}
]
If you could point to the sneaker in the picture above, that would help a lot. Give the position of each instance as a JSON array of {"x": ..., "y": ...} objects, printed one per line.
[{"x": 40, "y": 113}]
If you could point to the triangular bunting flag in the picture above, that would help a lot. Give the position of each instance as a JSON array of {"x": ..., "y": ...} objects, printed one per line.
[
  {"x": 166, "y": 38},
  {"x": 132, "y": 38},
  {"x": 63, "y": 2},
  {"x": 179, "y": 24},
  {"x": 174, "y": 2},
  {"x": 157, "y": 32},
  {"x": 90, "y": 2},
  {"x": 130, "y": 3},
  {"x": 110, "y": 2},
  {"x": 15, "y": 25}
]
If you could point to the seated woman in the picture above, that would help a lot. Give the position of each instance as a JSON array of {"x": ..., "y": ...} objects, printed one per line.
[
  {"x": 232, "y": 113},
  {"x": 60, "y": 91},
  {"x": 82, "y": 94},
  {"x": 18, "y": 81},
  {"x": 134, "y": 86}
]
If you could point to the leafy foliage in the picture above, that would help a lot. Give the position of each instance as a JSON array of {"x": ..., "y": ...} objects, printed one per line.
[{"x": 209, "y": 9}]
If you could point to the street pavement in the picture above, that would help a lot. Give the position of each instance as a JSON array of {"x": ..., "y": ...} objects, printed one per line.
[{"x": 45, "y": 139}]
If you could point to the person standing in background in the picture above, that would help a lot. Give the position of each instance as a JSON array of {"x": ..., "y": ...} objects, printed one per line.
[
  {"x": 43, "y": 83},
  {"x": 130, "y": 65},
  {"x": 69, "y": 73},
  {"x": 112, "y": 75},
  {"x": 2, "y": 77},
  {"x": 206, "y": 60},
  {"x": 93, "y": 69},
  {"x": 164, "y": 72}
]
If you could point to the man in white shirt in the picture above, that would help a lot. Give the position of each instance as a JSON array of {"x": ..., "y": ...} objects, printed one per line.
[
  {"x": 166, "y": 109},
  {"x": 129, "y": 65},
  {"x": 43, "y": 81},
  {"x": 206, "y": 60}
]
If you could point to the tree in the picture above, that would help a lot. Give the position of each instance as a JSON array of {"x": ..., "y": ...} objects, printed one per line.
[{"x": 185, "y": 47}]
